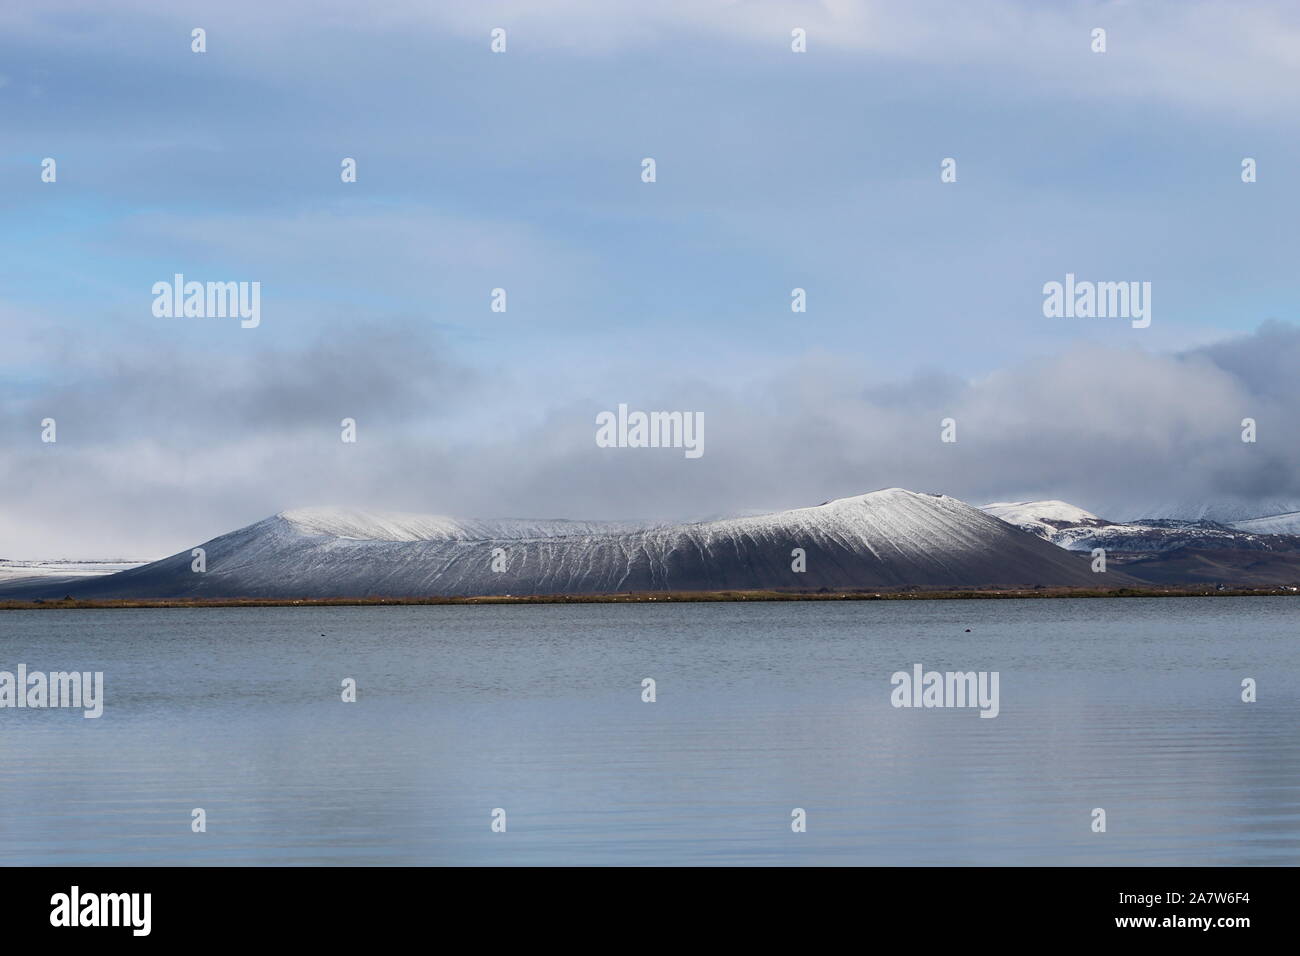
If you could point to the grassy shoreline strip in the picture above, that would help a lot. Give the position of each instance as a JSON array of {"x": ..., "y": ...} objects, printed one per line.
[{"x": 648, "y": 597}]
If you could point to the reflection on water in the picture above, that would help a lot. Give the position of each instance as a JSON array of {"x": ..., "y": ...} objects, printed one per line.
[{"x": 1131, "y": 705}]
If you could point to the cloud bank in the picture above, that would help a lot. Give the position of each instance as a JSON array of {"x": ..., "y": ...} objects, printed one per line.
[{"x": 188, "y": 449}]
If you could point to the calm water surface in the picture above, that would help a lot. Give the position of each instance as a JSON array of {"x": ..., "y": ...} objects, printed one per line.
[{"x": 1131, "y": 705}]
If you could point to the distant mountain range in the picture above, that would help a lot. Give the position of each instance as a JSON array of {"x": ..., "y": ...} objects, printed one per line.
[
  {"x": 1287, "y": 523},
  {"x": 888, "y": 539},
  {"x": 1254, "y": 552},
  {"x": 892, "y": 539},
  {"x": 1225, "y": 509}
]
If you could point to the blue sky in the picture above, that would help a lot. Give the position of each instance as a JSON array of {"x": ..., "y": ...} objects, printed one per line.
[{"x": 521, "y": 170}]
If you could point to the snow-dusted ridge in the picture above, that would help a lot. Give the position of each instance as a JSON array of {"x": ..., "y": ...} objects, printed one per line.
[
  {"x": 1288, "y": 523},
  {"x": 1043, "y": 518},
  {"x": 400, "y": 526},
  {"x": 886, "y": 539},
  {"x": 1225, "y": 510},
  {"x": 404, "y": 526},
  {"x": 1203, "y": 550},
  {"x": 61, "y": 569},
  {"x": 890, "y": 538}
]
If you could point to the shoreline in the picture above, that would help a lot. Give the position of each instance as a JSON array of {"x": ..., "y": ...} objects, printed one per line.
[{"x": 654, "y": 597}]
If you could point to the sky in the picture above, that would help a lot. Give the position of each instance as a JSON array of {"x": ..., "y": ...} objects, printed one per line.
[{"x": 522, "y": 170}]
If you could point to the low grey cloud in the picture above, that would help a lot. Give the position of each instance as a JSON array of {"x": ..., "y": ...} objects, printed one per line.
[{"x": 157, "y": 452}]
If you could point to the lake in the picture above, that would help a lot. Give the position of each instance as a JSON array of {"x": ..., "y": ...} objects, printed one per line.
[{"x": 1130, "y": 705}]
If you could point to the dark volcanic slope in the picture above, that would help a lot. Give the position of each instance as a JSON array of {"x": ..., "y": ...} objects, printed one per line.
[
  {"x": 887, "y": 539},
  {"x": 1234, "y": 568}
]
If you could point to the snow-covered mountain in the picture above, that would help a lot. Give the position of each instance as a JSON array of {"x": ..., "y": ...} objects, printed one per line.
[
  {"x": 1225, "y": 510},
  {"x": 1288, "y": 523},
  {"x": 1159, "y": 535},
  {"x": 1043, "y": 518},
  {"x": 1260, "y": 552},
  {"x": 1071, "y": 527},
  {"x": 887, "y": 539}
]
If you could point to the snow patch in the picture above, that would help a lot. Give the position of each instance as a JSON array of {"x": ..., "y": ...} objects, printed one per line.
[
  {"x": 1288, "y": 523},
  {"x": 1043, "y": 518},
  {"x": 359, "y": 525}
]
